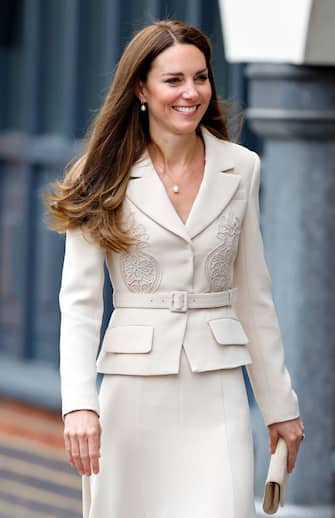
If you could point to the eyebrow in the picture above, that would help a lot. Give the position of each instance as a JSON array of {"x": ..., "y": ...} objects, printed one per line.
[{"x": 181, "y": 73}]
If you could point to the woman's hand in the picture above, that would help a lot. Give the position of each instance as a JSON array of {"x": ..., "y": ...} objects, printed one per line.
[
  {"x": 292, "y": 432},
  {"x": 82, "y": 434}
]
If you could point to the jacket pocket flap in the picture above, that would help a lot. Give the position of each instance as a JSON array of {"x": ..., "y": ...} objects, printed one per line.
[
  {"x": 228, "y": 331},
  {"x": 128, "y": 339}
]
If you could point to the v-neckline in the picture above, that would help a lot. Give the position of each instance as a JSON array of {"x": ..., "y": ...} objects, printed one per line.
[{"x": 201, "y": 186}]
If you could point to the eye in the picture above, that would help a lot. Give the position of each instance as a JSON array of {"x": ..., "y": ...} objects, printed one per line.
[
  {"x": 172, "y": 80},
  {"x": 202, "y": 77}
]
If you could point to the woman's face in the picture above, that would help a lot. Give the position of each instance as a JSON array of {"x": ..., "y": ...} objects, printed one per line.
[{"x": 177, "y": 90}]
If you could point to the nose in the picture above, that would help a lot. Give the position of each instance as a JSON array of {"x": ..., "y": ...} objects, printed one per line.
[{"x": 190, "y": 91}]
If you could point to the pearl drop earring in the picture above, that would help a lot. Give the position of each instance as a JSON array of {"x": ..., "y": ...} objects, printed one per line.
[{"x": 143, "y": 107}]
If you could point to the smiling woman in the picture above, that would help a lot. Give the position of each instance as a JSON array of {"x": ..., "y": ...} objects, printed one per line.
[
  {"x": 177, "y": 93},
  {"x": 177, "y": 90},
  {"x": 124, "y": 129},
  {"x": 163, "y": 198}
]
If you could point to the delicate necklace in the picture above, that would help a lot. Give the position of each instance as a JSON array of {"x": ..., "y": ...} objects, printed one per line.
[{"x": 175, "y": 186}]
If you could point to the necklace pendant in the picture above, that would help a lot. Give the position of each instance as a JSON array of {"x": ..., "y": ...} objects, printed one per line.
[{"x": 175, "y": 188}]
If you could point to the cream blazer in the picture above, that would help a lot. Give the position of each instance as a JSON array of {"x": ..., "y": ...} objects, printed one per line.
[{"x": 219, "y": 247}]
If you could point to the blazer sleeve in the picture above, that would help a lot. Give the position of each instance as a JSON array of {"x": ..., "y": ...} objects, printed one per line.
[
  {"x": 81, "y": 305},
  {"x": 268, "y": 374}
]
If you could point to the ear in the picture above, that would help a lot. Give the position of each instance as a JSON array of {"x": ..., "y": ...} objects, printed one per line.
[{"x": 139, "y": 91}]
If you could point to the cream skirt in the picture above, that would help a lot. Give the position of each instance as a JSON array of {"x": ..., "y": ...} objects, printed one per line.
[{"x": 173, "y": 446}]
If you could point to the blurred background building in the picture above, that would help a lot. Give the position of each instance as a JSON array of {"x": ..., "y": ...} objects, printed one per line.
[{"x": 57, "y": 59}]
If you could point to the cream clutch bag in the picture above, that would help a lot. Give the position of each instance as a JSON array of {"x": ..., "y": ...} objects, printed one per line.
[{"x": 276, "y": 481}]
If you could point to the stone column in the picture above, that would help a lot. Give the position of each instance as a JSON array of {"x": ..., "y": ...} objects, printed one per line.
[{"x": 293, "y": 109}]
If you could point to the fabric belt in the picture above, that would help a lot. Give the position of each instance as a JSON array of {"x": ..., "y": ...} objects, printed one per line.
[{"x": 179, "y": 301}]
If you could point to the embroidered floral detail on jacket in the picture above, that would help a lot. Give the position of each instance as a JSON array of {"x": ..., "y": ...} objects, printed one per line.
[
  {"x": 220, "y": 261},
  {"x": 140, "y": 270}
]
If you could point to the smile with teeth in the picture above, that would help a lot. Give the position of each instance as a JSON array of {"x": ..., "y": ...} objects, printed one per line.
[{"x": 186, "y": 109}]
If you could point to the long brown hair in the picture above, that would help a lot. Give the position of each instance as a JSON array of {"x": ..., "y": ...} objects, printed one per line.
[{"x": 93, "y": 189}]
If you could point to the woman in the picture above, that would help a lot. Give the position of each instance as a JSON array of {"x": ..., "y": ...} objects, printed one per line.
[{"x": 171, "y": 206}]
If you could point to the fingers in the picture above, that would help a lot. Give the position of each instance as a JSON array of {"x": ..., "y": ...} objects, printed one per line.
[
  {"x": 82, "y": 441},
  {"x": 94, "y": 451},
  {"x": 67, "y": 442},
  {"x": 292, "y": 432},
  {"x": 293, "y": 442},
  {"x": 76, "y": 454},
  {"x": 84, "y": 455},
  {"x": 274, "y": 436}
]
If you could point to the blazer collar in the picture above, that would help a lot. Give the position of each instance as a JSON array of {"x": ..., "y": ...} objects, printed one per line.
[{"x": 146, "y": 190}]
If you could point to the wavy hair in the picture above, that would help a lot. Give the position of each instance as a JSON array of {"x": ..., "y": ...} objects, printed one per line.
[{"x": 92, "y": 191}]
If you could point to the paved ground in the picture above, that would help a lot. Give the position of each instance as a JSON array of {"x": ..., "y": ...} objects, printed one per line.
[{"x": 35, "y": 479}]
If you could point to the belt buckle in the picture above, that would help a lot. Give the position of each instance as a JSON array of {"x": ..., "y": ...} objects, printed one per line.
[{"x": 178, "y": 301}]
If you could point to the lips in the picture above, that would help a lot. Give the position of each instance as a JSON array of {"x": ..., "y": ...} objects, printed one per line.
[{"x": 186, "y": 109}]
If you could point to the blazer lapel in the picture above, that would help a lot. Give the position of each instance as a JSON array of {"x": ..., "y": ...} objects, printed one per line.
[
  {"x": 147, "y": 192},
  {"x": 218, "y": 185}
]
